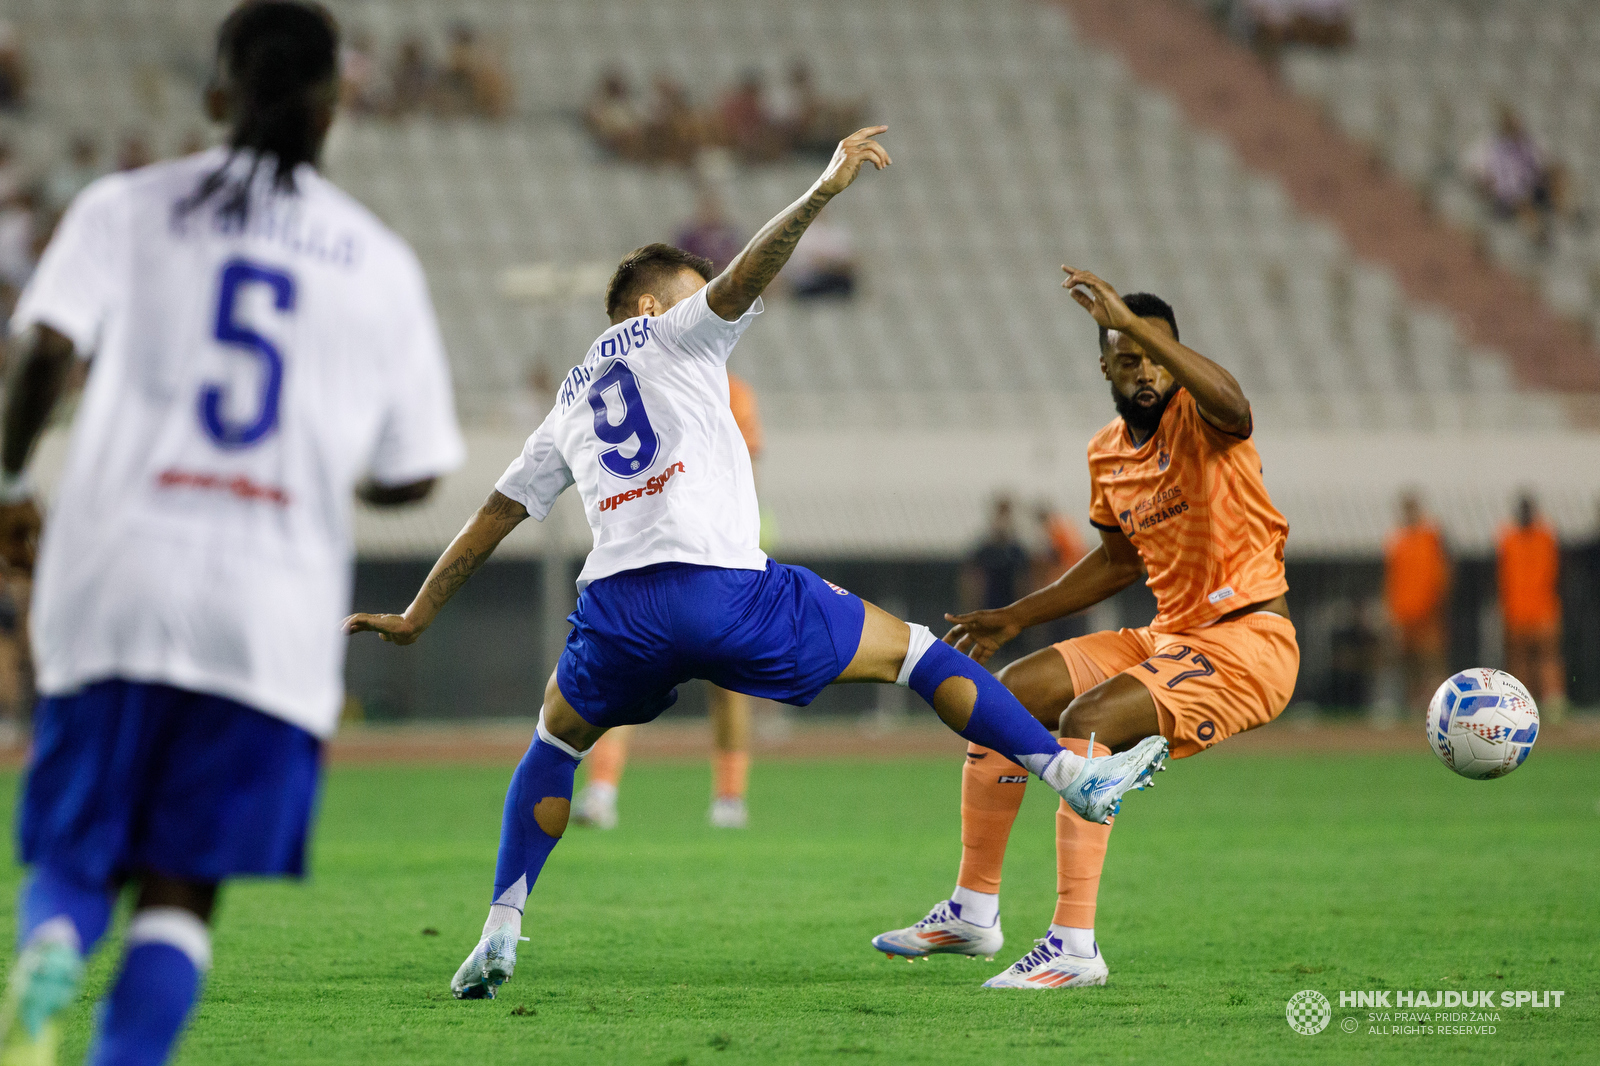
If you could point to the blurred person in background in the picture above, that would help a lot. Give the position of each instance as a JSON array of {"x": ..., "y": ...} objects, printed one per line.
[
  {"x": 808, "y": 122},
  {"x": 612, "y": 117},
  {"x": 360, "y": 80},
  {"x": 1517, "y": 178},
  {"x": 1060, "y": 548},
  {"x": 996, "y": 570},
  {"x": 824, "y": 265},
  {"x": 1584, "y": 578},
  {"x": 746, "y": 123},
  {"x": 13, "y": 69},
  {"x": 16, "y": 665},
  {"x": 674, "y": 130},
  {"x": 1317, "y": 23},
  {"x": 596, "y": 805},
  {"x": 18, "y": 246},
  {"x": 473, "y": 82},
  {"x": 71, "y": 175},
  {"x": 711, "y": 235},
  {"x": 411, "y": 82},
  {"x": 134, "y": 152},
  {"x": 1529, "y": 558},
  {"x": 1416, "y": 584}
]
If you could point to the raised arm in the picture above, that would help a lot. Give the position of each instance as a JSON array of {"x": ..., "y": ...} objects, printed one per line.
[
  {"x": 1216, "y": 392},
  {"x": 477, "y": 540},
  {"x": 1101, "y": 574},
  {"x": 41, "y": 359},
  {"x": 731, "y": 292}
]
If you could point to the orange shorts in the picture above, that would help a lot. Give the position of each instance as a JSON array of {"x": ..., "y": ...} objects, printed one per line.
[{"x": 1207, "y": 683}]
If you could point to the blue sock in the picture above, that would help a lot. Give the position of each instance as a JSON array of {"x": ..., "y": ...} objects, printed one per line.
[
  {"x": 998, "y": 721},
  {"x": 160, "y": 980},
  {"x": 47, "y": 895},
  {"x": 541, "y": 787}
]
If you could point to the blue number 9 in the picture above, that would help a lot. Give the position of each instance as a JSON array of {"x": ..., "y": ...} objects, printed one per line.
[
  {"x": 635, "y": 423},
  {"x": 235, "y": 276}
]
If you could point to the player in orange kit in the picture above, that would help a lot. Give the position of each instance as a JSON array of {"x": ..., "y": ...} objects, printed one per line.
[
  {"x": 596, "y": 805},
  {"x": 1529, "y": 558},
  {"x": 1416, "y": 585},
  {"x": 1177, "y": 495}
]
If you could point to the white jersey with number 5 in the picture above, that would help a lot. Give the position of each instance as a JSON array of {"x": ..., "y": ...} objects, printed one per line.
[
  {"x": 244, "y": 380},
  {"x": 642, "y": 427}
]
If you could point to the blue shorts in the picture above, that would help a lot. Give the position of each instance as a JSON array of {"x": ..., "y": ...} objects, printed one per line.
[
  {"x": 781, "y": 633},
  {"x": 128, "y": 778}
]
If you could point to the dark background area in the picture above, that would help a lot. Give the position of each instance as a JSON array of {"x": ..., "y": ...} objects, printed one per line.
[{"x": 488, "y": 656}]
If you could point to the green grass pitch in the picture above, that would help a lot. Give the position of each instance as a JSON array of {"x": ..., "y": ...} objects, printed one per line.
[{"x": 1238, "y": 882}]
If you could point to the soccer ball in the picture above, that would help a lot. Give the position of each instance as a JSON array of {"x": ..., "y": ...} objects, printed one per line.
[{"x": 1482, "y": 723}]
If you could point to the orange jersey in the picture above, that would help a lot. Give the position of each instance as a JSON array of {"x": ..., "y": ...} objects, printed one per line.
[
  {"x": 742, "y": 401},
  {"x": 1192, "y": 500},
  {"x": 1416, "y": 573},
  {"x": 1065, "y": 542},
  {"x": 1530, "y": 566}
]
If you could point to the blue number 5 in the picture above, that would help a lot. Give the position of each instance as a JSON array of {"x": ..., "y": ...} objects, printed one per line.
[
  {"x": 635, "y": 423},
  {"x": 235, "y": 276}
]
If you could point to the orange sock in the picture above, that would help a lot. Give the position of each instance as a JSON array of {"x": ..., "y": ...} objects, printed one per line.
[
  {"x": 1080, "y": 855},
  {"x": 730, "y": 773},
  {"x": 991, "y": 794},
  {"x": 609, "y": 756}
]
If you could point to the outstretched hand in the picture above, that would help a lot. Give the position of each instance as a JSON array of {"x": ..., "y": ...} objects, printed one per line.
[
  {"x": 854, "y": 150},
  {"x": 980, "y": 633},
  {"x": 395, "y": 628},
  {"x": 1099, "y": 299}
]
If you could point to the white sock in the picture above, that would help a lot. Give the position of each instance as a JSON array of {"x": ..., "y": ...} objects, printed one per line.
[
  {"x": 1058, "y": 770},
  {"x": 500, "y": 914},
  {"x": 1078, "y": 942},
  {"x": 604, "y": 792},
  {"x": 979, "y": 908},
  {"x": 922, "y": 639},
  {"x": 174, "y": 927}
]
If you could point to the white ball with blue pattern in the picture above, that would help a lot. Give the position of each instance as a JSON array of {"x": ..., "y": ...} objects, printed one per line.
[{"x": 1482, "y": 723}]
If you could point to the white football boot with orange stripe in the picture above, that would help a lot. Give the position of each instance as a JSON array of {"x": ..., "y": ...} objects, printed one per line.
[
  {"x": 1049, "y": 966},
  {"x": 942, "y": 932}
]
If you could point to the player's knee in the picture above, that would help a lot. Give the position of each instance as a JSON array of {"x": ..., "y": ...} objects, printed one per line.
[
  {"x": 1088, "y": 713},
  {"x": 1024, "y": 684}
]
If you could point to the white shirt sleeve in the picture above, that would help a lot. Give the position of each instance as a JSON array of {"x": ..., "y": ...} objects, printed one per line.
[
  {"x": 83, "y": 272},
  {"x": 420, "y": 438},
  {"x": 692, "y": 328},
  {"x": 540, "y": 474}
]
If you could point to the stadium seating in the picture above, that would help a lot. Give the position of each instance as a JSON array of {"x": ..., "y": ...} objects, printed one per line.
[
  {"x": 1409, "y": 88},
  {"x": 1018, "y": 148}
]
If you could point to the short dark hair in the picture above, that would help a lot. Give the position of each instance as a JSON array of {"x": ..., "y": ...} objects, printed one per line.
[
  {"x": 1145, "y": 305},
  {"x": 642, "y": 269}
]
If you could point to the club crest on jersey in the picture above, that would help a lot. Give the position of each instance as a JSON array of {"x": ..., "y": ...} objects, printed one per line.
[
  {"x": 649, "y": 488},
  {"x": 1163, "y": 457}
]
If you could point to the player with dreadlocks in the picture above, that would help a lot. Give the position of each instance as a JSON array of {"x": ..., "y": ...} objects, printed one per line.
[{"x": 264, "y": 351}]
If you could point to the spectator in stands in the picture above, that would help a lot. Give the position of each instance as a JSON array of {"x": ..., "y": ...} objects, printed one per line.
[
  {"x": 18, "y": 246},
  {"x": 674, "y": 130},
  {"x": 710, "y": 233},
  {"x": 823, "y": 265},
  {"x": 134, "y": 152},
  {"x": 612, "y": 117},
  {"x": 411, "y": 83},
  {"x": 71, "y": 175},
  {"x": 746, "y": 124},
  {"x": 12, "y": 176},
  {"x": 807, "y": 122},
  {"x": 1416, "y": 579},
  {"x": 1529, "y": 558},
  {"x": 1584, "y": 582},
  {"x": 997, "y": 568},
  {"x": 472, "y": 82},
  {"x": 1318, "y": 23},
  {"x": 1516, "y": 178},
  {"x": 360, "y": 88},
  {"x": 13, "y": 69}
]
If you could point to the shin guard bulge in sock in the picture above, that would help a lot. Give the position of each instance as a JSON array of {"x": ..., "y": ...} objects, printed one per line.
[
  {"x": 992, "y": 788},
  {"x": 538, "y": 804},
  {"x": 1080, "y": 855}
]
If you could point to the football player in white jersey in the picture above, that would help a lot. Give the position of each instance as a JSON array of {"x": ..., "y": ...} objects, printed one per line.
[
  {"x": 676, "y": 586},
  {"x": 264, "y": 349}
]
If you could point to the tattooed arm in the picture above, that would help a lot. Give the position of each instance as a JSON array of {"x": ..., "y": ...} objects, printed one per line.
[
  {"x": 477, "y": 540},
  {"x": 731, "y": 292}
]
